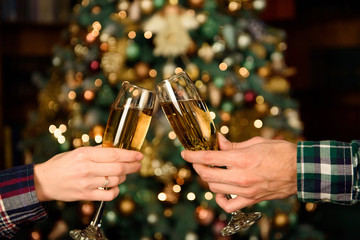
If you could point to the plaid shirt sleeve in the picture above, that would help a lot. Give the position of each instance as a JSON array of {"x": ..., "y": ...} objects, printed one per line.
[
  {"x": 328, "y": 171},
  {"x": 18, "y": 200}
]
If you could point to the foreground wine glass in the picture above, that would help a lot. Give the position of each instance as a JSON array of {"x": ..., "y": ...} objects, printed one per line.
[
  {"x": 191, "y": 121},
  {"x": 126, "y": 128}
]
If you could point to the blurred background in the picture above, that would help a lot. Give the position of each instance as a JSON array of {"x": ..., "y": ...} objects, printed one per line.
[{"x": 290, "y": 67}]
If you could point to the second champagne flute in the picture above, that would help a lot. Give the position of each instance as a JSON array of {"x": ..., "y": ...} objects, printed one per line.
[
  {"x": 190, "y": 119},
  {"x": 126, "y": 128}
]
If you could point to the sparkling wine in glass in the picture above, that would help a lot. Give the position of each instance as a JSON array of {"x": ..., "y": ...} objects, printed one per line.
[
  {"x": 126, "y": 128},
  {"x": 190, "y": 119}
]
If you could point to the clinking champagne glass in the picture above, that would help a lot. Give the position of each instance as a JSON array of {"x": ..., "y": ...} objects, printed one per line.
[
  {"x": 191, "y": 121},
  {"x": 126, "y": 128}
]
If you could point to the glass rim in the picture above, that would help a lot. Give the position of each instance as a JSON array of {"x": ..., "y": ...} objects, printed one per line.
[
  {"x": 127, "y": 83},
  {"x": 175, "y": 76}
]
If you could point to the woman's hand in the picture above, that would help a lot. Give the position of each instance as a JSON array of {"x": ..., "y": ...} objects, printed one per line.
[
  {"x": 78, "y": 174},
  {"x": 256, "y": 170}
]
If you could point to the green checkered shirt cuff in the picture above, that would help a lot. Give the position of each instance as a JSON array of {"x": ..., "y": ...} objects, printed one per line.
[{"x": 327, "y": 171}]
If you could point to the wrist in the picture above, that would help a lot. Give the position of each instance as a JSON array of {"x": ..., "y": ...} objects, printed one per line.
[{"x": 39, "y": 182}]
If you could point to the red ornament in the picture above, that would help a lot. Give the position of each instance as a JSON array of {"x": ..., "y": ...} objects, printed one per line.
[{"x": 94, "y": 65}]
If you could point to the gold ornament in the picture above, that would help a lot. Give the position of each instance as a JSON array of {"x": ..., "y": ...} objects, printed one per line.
[
  {"x": 147, "y": 169},
  {"x": 60, "y": 229},
  {"x": 147, "y": 6},
  {"x": 281, "y": 220},
  {"x": 215, "y": 95},
  {"x": 142, "y": 70},
  {"x": 259, "y": 50},
  {"x": 206, "y": 53},
  {"x": 196, "y": 3},
  {"x": 87, "y": 210},
  {"x": 264, "y": 71},
  {"x": 229, "y": 90},
  {"x": 193, "y": 71},
  {"x": 204, "y": 215},
  {"x": 113, "y": 61},
  {"x": 277, "y": 84},
  {"x": 265, "y": 227},
  {"x": 126, "y": 206},
  {"x": 192, "y": 49},
  {"x": 35, "y": 235}
]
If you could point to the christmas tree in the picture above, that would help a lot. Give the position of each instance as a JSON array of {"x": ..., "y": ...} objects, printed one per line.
[{"x": 237, "y": 64}]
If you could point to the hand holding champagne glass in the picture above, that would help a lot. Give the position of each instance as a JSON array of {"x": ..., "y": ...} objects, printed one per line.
[
  {"x": 191, "y": 121},
  {"x": 126, "y": 128}
]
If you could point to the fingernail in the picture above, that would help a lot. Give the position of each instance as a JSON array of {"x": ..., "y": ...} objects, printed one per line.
[
  {"x": 139, "y": 157},
  {"x": 222, "y": 138}
]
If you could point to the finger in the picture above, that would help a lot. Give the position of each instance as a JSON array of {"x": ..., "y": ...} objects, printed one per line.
[
  {"x": 223, "y": 188},
  {"x": 209, "y": 158},
  {"x": 103, "y": 195},
  {"x": 97, "y": 154},
  {"x": 225, "y": 144},
  {"x": 231, "y": 205},
  {"x": 100, "y": 182},
  {"x": 113, "y": 169},
  {"x": 210, "y": 174}
]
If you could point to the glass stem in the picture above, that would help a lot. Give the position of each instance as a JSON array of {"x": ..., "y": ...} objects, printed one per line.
[{"x": 96, "y": 222}]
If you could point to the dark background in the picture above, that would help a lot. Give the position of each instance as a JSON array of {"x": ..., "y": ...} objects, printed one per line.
[{"x": 323, "y": 40}]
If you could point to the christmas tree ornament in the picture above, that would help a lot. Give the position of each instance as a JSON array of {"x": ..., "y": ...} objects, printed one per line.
[
  {"x": 259, "y": 5},
  {"x": 227, "y": 106},
  {"x": 206, "y": 52},
  {"x": 265, "y": 227},
  {"x": 196, "y": 3},
  {"x": 204, "y": 215},
  {"x": 238, "y": 98},
  {"x": 132, "y": 51},
  {"x": 60, "y": 229},
  {"x": 159, "y": 3},
  {"x": 113, "y": 61},
  {"x": 228, "y": 32},
  {"x": 210, "y": 28},
  {"x": 152, "y": 218},
  {"x": 169, "y": 69},
  {"x": 281, "y": 220},
  {"x": 259, "y": 50},
  {"x": 277, "y": 84},
  {"x": 123, "y": 5},
  {"x": 87, "y": 210},
  {"x": 171, "y": 27},
  {"x": 147, "y": 6},
  {"x": 219, "y": 47},
  {"x": 35, "y": 235},
  {"x": 142, "y": 70},
  {"x": 192, "y": 49},
  {"x": 215, "y": 95},
  {"x": 244, "y": 40},
  {"x": 111, "y": 217},
  {"x": 135, "y": 11},
  {"x": 127, "y": 206},
  {"x": 193, "y": 71},
  {"x": 229, "y": 90},
  {"x": 191, "y": 236},
  {"x": 219, "y": 81}
]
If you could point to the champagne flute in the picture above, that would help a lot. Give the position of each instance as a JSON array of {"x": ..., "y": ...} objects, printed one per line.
[
  {"x": 126, "y": 128},
  {"x": 190, "y": 119}
]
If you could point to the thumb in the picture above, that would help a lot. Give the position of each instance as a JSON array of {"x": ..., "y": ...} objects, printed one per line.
[{"x": 225, "y": 144}]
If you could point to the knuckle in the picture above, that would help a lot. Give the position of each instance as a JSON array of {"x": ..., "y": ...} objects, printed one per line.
[
  {"x": 122, "y": 179},
  {"x": 227, "y": 208},
  {"x": 258, "y": 139},
  {"x": 113, "y": 154},
  {"x": 80, "y": 153}
]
